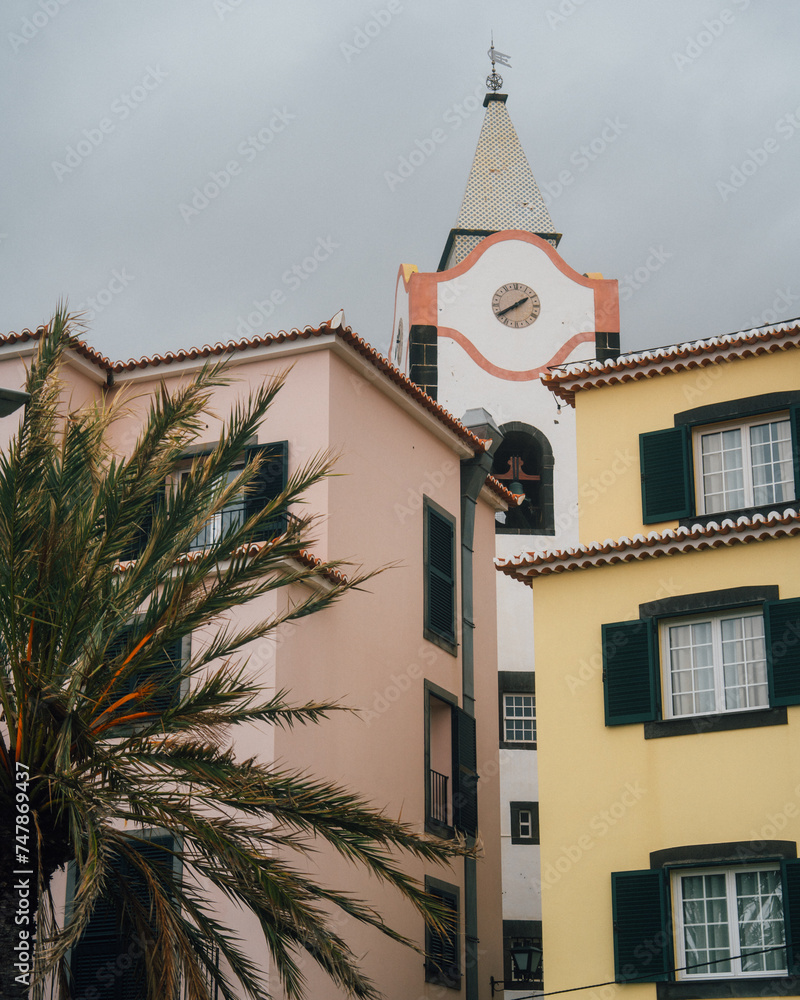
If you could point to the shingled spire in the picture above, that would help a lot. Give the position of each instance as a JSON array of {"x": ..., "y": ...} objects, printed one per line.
[{"x": 501, "y": 191}]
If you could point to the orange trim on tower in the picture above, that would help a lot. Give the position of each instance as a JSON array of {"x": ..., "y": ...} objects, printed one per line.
[
  {"x": 423, "y": 299},
  {"x": 606, "y": 305},
  {"x": 506, "y": 373}
]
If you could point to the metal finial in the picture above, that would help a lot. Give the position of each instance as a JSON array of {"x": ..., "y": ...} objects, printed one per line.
[{"x": 494, "y": 81}]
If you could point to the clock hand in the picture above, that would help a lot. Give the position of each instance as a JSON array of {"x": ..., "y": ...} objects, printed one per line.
[{"x": 514, "y": 305}]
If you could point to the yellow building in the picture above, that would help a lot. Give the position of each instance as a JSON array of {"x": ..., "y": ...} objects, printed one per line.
[{"x": 668, "y": 676}]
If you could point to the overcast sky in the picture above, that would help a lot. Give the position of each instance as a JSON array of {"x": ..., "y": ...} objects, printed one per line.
[{"x": 193, "y": 172}]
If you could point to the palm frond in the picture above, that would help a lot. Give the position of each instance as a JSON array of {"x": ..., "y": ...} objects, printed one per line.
[{"x": 91, "y": 606}]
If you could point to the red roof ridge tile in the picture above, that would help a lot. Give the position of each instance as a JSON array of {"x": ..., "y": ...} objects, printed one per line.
[
  {"x": 333, "y": 326},
  {"x": 565, "y": 380},
  {"x": 776, "y": 523},
  {"x": 303, "y": 556}
]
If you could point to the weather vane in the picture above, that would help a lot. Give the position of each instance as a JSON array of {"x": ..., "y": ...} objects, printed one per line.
[{"x": 494, "y": 81}]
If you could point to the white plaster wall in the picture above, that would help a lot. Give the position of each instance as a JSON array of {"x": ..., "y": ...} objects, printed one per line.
[
  {"x": 465, "y": 304},
  {"x": 567, "y": 309}
]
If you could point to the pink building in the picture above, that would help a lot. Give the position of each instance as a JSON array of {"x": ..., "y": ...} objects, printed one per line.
[{"x": 417, "y": 653}]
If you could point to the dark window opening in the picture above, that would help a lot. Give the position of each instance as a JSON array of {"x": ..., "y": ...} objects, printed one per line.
[
  {"x": 523, "y": 463},
  {"x": 451, "y": 778}
]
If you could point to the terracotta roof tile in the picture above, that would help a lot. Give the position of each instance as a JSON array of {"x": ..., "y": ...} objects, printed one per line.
[
  {"x": 566, "y": 380},
  {"x": 333, "y": 326},
  {"x": 303, "y": 556},
  {"x": 759, "y": 527}
]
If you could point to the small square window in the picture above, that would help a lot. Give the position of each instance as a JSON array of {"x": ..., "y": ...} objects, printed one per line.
[
  {"x": 519, "y": 718},
  {"x": 524, "y": 822}
]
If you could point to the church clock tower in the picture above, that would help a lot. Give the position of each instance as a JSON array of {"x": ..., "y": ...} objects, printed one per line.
[
  {"x": 476, "y": 334},
  {"x": 502, "y": 308}
]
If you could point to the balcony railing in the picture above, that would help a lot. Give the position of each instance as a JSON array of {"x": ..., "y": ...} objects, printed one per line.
[
  {"x": 437, "y": 791},
  {"x": 232, "y": 517}
]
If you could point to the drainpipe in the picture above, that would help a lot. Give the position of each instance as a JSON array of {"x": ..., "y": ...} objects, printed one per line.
[{"x": 473, "y": 475}]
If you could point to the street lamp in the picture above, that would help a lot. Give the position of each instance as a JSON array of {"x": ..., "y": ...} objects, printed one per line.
[{"x": 525, "y": 961}]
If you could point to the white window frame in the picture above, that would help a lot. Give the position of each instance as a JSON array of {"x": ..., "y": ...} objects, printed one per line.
[
  {"x": 525, "y": 823},
  {"x": 735, "y": 947},
  {"x": 514, "y": 718},
  {"x": 745, "y": 427},
  {"x": 715, "y": 618}
]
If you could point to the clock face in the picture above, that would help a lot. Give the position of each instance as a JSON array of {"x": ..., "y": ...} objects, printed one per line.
[{"x": 516, "y": 305}]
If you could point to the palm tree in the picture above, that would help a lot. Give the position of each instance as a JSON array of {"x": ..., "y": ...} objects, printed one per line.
[{"x": 105, "y": 735}]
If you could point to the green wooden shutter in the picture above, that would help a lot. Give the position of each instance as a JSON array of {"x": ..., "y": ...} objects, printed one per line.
[
  {"x": 145, "y": 526},
  {"x": 790, "y": 870},
  {"x": 165, "y": 672},
  {"x": 107, "y": 961},
  {"x": 640, "y": 902},
  {"x": 794, "y": 420},
  {"x": 268, "y": 484},
  {"x": 630, "y": 674},
  {"x": 443, "y": 963},
  {"x": 666, "y": 468},
  {"x": 440, "y": 576},
  {"x": 782, "y": 628},
  {"x": 465, "y": 773}
]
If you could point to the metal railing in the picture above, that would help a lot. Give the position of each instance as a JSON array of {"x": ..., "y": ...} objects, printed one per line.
[
  {"x": 437, "y": 792},
  {"x": 233, "y": 517}
]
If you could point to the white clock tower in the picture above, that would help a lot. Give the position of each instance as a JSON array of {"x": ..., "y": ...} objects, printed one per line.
[{"x": 476, "y": 334}]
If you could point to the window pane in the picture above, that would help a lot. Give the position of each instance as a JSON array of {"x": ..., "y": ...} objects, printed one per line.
[
  {"x": 722, "y": 470},
  {"x": 744, "y": 662},
  {"x": 705, "y": 924},
  {"x": 771, "y": 462},
  {"x": 691, "y": 668},
  {"x": 230, "y": 517},
  {"x": 759, "y": 906}
]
